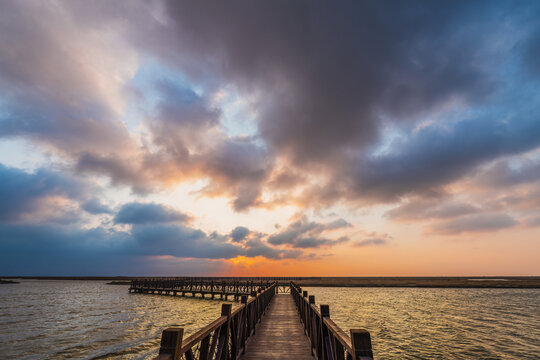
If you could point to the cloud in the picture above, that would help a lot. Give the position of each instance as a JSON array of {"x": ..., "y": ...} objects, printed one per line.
[
  {"x": 186, "y": 143},
  {"x": 510, "y": 172},
  {"x": 297, "y": 110},
  {"x": 338, "y": 224},
  {"x": 475, "y": 223},
  {"x": 41, "y": 222},
  {"x": 95, "y": 207},
  {"x": 425, "y": 209},
  {"x": 239, "y": 233},
  {"x": 180, "y": 241},
  {"x": 370, "y": 242},
  {"x": 239, "y": 167},
  {"x": 334, "y": 130},
  {"x": 25, "y": 193},
  {"x": 61, "y": 83},
  {"x": 256, "y": 247},
  {"x": 435, "y": 156},
  {"x": 302, "y": 233},
  {"x": 313, "y": 242},
  {"x": 119, "y": 169},
  {"x": 403, "y": 110},
  {"x": 532, "y": 221},
  {"x": 531, "y": 49},
  {"x": 53, "y": 250},
  {"x": 181, "y": 120},
  {"x": 148, "y": 213}
]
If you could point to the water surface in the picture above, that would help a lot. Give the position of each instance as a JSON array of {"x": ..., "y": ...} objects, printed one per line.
[
  {"x": 427, "y": 323},
  {"x": 91, "y": 320},
  {"x": 61, "y": 319}
]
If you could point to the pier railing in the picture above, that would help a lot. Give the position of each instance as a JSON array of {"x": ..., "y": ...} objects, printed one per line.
[
  {"x": 197, "y": 285},
  {"x": 224, "y": 338},
  {"x": 328, "y": 340}
]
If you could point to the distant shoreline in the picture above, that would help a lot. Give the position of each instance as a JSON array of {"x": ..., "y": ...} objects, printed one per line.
[
  {"x": 2, "y": 281},
  {"x": 465, "y": 282}
]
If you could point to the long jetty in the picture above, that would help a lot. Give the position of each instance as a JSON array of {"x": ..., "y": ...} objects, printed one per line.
[{"x": 275, "y": 319}]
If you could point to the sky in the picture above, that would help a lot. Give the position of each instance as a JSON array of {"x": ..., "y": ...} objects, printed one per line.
[{"x": 275, "y": 138}]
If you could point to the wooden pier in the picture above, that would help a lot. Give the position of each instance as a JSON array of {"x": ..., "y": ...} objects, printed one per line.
[
  {"x": 193, "y": 287},
  {"x": 267, "y": 324}
]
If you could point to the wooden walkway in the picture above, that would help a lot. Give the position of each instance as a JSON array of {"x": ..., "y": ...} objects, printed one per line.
[
  {"x": 266, "y": 325},
  {"x": 280, "y": 335}
]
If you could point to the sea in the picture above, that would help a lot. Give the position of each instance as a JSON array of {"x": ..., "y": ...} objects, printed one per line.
[{"x": 64, "y": 319}]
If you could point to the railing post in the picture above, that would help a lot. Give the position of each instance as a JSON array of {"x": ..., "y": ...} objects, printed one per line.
[
  {"x": 245, "y": 326},
  {"x": 171, "y": 342},
  {"x": 310, "y": 330},
  {"x": 361, "y": 344},
  {"x": 305, "y": 312},
  {"x": 325, "y": 341},
  {"x": 223, "y": 351}
]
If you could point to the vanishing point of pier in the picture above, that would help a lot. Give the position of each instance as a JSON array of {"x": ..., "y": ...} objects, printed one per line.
[{"x": 274, "y": 320}]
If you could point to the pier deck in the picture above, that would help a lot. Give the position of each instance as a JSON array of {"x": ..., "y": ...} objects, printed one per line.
[{"x": 280, "y": 335}]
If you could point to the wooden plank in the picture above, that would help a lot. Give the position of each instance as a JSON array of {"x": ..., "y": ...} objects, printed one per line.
[{"x": 280, "y": 335}]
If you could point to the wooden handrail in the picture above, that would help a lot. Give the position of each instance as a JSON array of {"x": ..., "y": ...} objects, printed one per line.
[
  {"x": 193, "y": 339},
  {"x": 340, "y": 335},
  {"x": 225, "y": 337},
  {"x": 328, "y": 340}
]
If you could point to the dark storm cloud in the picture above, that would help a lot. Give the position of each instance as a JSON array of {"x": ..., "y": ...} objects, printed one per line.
[
  {"x": 327, "y": 70},
  {"x": 475, "y": 223},
  {"x": 148, "y": 213},
  {"x": 21, "y": 192},
  {"x": 330, "y": 76}
]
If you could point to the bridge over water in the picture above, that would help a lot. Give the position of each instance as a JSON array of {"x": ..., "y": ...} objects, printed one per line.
[{"x": 275, "y": 320}]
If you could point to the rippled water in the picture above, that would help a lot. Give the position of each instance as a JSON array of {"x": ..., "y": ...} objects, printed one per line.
[
  {"x": 416, "y": 323},
  {"x": 92, "y": 320}
]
